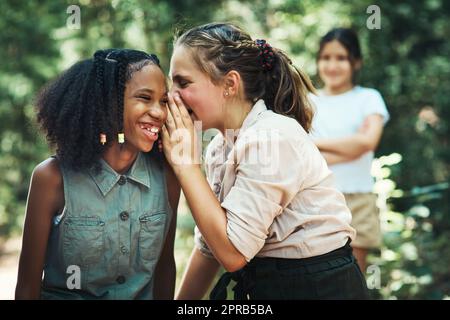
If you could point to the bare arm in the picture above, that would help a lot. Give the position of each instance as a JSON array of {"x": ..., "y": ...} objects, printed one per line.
[
  {"x": 165, "y": 272},
  {"x": 334, "y": 158},
  {"x": 45, "y": 198},
  {"x": 198, "y": 276},
  {"x": 210, "y": 218},
  {"x": 354, "y": 146}
]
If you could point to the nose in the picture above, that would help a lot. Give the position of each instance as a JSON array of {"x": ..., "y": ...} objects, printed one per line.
[
  {"x": 158, "y": 112},
  {"x": 333, "y": 65}
]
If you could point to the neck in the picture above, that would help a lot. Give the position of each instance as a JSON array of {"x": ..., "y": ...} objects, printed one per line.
[
  {"x": 331, "y": 91},
  {"x": 120, "y": 158},
  {"x": 235, "y": 115}
]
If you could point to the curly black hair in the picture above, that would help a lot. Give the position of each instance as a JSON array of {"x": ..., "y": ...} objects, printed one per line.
[{"x": 87, "y": 100}]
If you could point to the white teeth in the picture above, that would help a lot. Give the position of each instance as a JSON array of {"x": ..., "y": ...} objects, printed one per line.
[{"x": 152, "y": 129}]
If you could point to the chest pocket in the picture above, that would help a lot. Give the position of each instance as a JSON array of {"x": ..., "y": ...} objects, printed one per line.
[
  {"x": 83, "y": 242},
  {"x": 151, "y": 236}
]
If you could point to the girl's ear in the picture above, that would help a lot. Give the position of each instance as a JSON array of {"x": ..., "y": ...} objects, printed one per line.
[{"x": 232, "y": 81}]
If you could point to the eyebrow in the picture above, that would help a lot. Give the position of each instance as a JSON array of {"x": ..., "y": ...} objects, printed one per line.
[
  {"x": 179, "y": 77},
  {"x": 149, "y": 91},
  {"x": 144, "y": 90}
]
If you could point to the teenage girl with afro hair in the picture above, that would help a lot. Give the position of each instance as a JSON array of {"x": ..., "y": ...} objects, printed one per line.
[{"x": 99, "y": 220}]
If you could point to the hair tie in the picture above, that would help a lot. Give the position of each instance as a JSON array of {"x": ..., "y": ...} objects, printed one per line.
[{"x": 266, "y": 54}]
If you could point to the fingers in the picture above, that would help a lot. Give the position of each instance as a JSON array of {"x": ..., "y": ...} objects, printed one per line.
[
  {"x": 175, "y": 113},
  {"x": 165, "y": 134},
  {"x": 166, "y": 143},
  {"x": 170, "y": 124},
  {"x": 183, "y": 111}
]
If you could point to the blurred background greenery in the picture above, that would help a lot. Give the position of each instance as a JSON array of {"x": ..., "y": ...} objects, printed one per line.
[{"x": 406, "y": 60}]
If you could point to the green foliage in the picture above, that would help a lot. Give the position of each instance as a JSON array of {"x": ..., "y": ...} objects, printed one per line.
[
  {"x": 28, "y": 59},
  {"x": 406, "y": 61},
  {"x": 415, "y": 255}
]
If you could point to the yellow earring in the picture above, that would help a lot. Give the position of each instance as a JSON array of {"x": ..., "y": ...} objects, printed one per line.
[
  {"x": 102, "y": 138},
  {"x": 121, "y": 138}
]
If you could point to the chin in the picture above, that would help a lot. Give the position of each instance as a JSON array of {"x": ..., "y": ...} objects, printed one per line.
[
  {"x": 336, "y": 82},
  {"x": 146, "y": 147}
]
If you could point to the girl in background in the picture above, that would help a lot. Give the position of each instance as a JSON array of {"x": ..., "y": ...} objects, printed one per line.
[
  {"x": 99, "y": 219},
  {"x": 347, "y": 128}
]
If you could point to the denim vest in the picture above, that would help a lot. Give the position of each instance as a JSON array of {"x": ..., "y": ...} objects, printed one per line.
[{"x": 107, "y": 241}]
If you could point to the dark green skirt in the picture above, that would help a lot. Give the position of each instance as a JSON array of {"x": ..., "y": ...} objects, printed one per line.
[{"x": 334, "y": 275}]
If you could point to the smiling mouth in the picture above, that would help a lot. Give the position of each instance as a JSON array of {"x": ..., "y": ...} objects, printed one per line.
[{"x": 150, "y": 131}]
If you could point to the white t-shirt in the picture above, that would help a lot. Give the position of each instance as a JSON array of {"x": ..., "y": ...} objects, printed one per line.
[{"x": 342, "y": 115}]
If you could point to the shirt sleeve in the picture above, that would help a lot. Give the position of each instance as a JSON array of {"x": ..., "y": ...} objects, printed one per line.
[
  {"x": 262, "y": 189},
  {"x": 375, "y": 105}
]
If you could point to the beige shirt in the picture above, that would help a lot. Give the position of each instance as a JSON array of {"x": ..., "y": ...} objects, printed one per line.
[{"x": 277, "y": 190}]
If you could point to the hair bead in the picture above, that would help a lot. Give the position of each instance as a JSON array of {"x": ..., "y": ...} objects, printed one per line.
[
  {"x": 102, "y": 138},
  {"x": 121, "y": 138}
]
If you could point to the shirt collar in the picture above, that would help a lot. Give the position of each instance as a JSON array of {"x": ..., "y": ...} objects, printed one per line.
[
  {"x": 223, "y": 146},
  {"x": 107, "y": 177},
  {"x": 258, "y": 108},
  {"x": 252, "y": 116}
]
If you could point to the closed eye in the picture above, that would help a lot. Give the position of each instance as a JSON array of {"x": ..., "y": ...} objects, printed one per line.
[
  {"x": 183, "y": 84},
  {"x": 146, "y": 98},
  {"x": 181, "y": 81}
]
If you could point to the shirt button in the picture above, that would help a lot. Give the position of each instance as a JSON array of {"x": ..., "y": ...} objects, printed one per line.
[
  {"x": 120, "y": 279},
  {"x": 124, "y": 216},
  {"x": 122, "y": 180},
  {"x": 216, "y": 188},
  {"x": 123, "y": 249}
]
